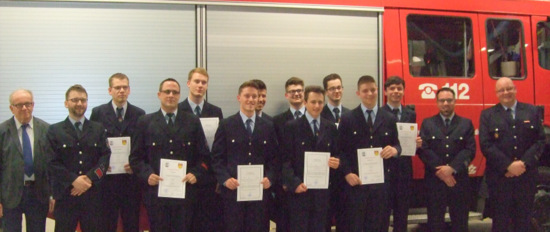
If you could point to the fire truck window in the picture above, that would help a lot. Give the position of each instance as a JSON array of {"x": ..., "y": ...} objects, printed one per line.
[
  {"x": 543, "y": 44},
  {"x": 440, "y": 46},
  {"x": 505, "y": 49}
]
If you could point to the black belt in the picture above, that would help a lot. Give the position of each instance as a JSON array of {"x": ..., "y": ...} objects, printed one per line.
[{"x": 29, "y": 183}]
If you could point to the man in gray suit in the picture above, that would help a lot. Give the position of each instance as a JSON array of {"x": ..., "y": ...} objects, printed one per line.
[{"x": 24, "y": 183}]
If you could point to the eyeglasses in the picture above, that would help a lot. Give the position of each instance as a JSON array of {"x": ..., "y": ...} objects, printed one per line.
[
  {"x": 26, "y": 104},
  {"x": 449, "y": 100},
  {"x": 168, "y": 92},
  {"x": 123, "y": 87},
  {"x": 296, "y": 91},
  {"x": 332, "y": 89},
  {"x": 507, "y": 89},
  {"x": 76, "y": 100}
]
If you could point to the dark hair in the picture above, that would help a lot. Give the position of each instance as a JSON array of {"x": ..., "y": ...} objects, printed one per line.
[
  {"x": 330, "y": 77},
  {"x": 77, "y": 88},
  {"x": 394, "y": 80},
  {"x": 245, "y": 84},
  {"x": 120, "y": 76},
  {"x": 365, "y": 79},
  {"x": 443, "y": 90},
  {"x": 168, "y": 79},
  {"x": 294, "y": 81},
  {"x": 261, "y": 85},
  {"x": 313, "y": 89}
]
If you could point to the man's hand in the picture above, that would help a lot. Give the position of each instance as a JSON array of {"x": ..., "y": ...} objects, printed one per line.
[
  {"x": 353, "y": 179},
  {"x": 266, "y": 183},
  {"x": 154, "y": 179},
  {"x": 231, "y": 183},
  {"x": 334, "y": 162},
  {"x": 516, "y": 168},
  {"x": 302, "y": 188},
  {"x": 128, "y": 169},
  {"x": 445, "y": 173},
  {"x": 190, "y": 177},
  {"x": 388, "y": 152},
  {"x": 418, "y": 142},
  {"x": 80, "y": 185},
  {"x": 51, "y": 206},
  {"x": 1, "y": 211}
]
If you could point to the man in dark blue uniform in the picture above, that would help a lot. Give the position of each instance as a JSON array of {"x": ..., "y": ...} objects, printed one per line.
[
  {"x": 79, "y": 159},
  {"x": 367, "y": 127},
  {"x": 311, "y": 133},
  {"x": 448, "y": 148},
  {"x": 169, "y": 134},
  {"x": 400, "y": 179},
  {"x": 512, "y": 139},
  {"x": 209, "y": 205},
  {"x": 244, "y": 139},
  {"x": 294, "y": 93},
  {"x": 333, "y": 111},
  {"x": 120, "y": 193},
  {"x": 262, "y": 99}
]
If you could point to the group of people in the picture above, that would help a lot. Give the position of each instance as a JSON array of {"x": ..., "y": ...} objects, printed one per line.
[{"x": 64, "y": 166}]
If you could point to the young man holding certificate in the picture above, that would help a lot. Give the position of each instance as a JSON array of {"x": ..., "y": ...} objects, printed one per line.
[
  {"x": 309, "y": 149},
  {"x": 448, "y": 147},
  {"x": 394, "y": 89},
  {"x": 244, "y": 161},
  {"x": 121, "y": 190},
  {"x": 366, "y": 136},
  {"x": 174, "y": 139}
]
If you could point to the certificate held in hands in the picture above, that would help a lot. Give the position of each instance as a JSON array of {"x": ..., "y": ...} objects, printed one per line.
[
  {"x": 172, "y": 173},
  {"x": 120, "y": 150},
  {"x": 250, "y": 182},
  {"x": 407, "y": 133},
  {"x": 371, "y": 165},
  {"x": 316, "y": 170}
]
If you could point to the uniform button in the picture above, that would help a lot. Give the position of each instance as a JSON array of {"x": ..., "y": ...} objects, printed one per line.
[
  {"x": 388, "y": 170},
  {"x": 447, "y": 137},
  {"x": 447, "y": 155},
  {"x": 78, "y": 144},
  {"x": 447, "y": 145},
  {"x": 371, "y": 146},
  {"x": 249, "y": 143},
  {"x": 515, "y": 137},
  {"x": 514, "y": 127},
  {"x": 171, "y": 152},
  {"x": 249, "y": 163},
  {"x": 170, "y": 141},
  {"x": 249, "y": 153},
  {"x": 371, "y": 137},
  {"x": 80, "y": 172},
  {"x": 80, "y": 152},
  {"x": 80, "y": 162},
  {"x": 515, "y": 147}
]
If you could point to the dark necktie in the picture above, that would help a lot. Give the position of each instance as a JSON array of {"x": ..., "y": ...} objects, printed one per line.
[
  {"x": 336, "y": 114},
  {"x": 369, "y": 119},
  {"x": 396, "y": 113},
  {"x": 27, "y": 151},
  {"x": 315, "y": 128},
  {"x": 170, "y": 122},
  {"x": 249, "y": 126},
  {"x": 510, "y": 114},
  {"x": 77, "y": 128},
  {"x": 198, "y": 111},
  {"x": 297, "y": 114},
  {"x": 119, "y": 111},
  {"x": 447, "y": 122}
]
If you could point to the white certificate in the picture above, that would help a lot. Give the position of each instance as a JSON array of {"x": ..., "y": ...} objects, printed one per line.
[
  {"x": 407, "y": 137},
  {"x": 209, "y": 126},
  {"x": 316, "y": 170},
  {"x": 120, "y": 150},
  {"x": 172, "y": 173},
  {"x": 371, "y": 165},
  {"x": 250, "y": 182}
]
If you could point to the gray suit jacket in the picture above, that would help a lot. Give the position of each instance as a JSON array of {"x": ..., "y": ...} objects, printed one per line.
[{"x": 12, "y": 163}]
